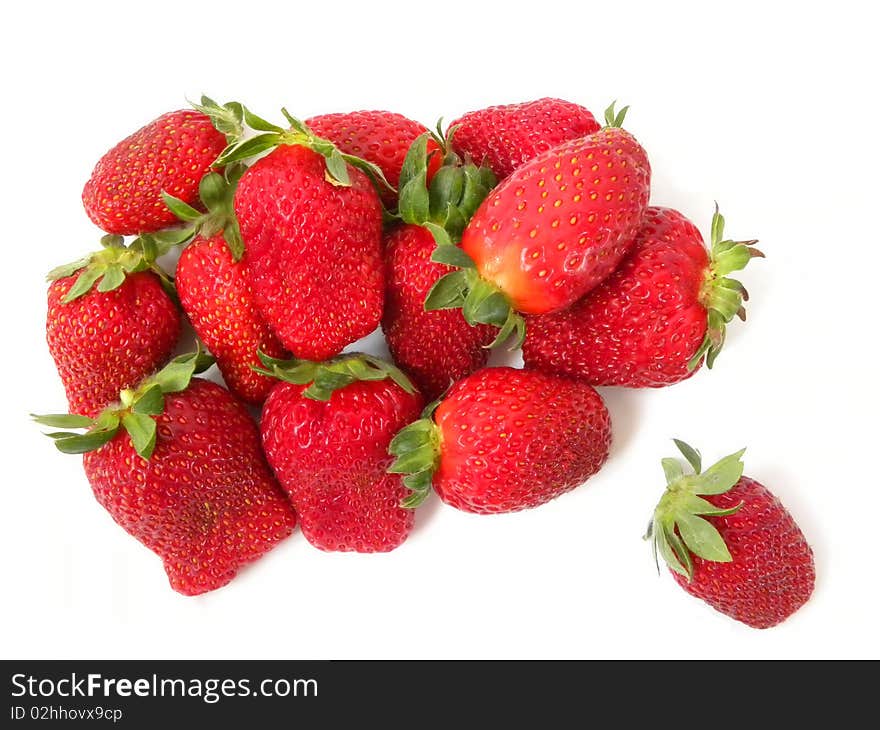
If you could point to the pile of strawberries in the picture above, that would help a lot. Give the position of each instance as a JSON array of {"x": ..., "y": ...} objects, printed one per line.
[{"x": 523, "y": 225}]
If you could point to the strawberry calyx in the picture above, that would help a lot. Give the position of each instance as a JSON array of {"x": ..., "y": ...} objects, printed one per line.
[
  {"x": 217, "y": 192},
  {"x": 228, "y": 119},
  {"x": 330, "y": 375},
  {"x": 135, "y": 411},
  {"x": 721, "y": 295},
  {"x": 615, "y": 118},
  {"x": 678, "y": 528},
  {"x": 416, "y": 449}
]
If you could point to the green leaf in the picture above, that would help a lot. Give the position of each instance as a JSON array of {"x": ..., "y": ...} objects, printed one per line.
[
  {"x": 452, "y": 256},
  {"x": 447, "y": 188},
  {"x": 414, "y": 200},
  {"x": 440, "y": 234},
  {"x": 113, "y": 278},
  {"x": 661, "y": 540},
  {"x": 142, "y": 429},
  {"x": 337, "y": 168},
  {"x": 412, "y": 437},
  {"x": 698, "y": 506},
  {"x": 180, "y": 209},
  {"x": 721, "y": 476},
  {"x": 82, "y": 443},
  {"x": 258, "y": 123},
  {"x": 702, "y": 538},
  {"x": 63, "y": 420},
  {"x": 151, "y": 402},
  {"x": 691, "y": 454},
  {"x": 62, "y": 272},
  {"x": 84, "y": 282},
  {"x": 177, "y": 374},
  {"x": 212, "y": 190},
  {"x": 420, "y": 484},
  {"x": 672, "y": 469},
  {"x": 248, "y": 148},
  {"x": 232, "y": 236},
  {"x": 412, "y": 461},
  {"x": 448, "y": 292},
  {"x": 492, "y": 308}
]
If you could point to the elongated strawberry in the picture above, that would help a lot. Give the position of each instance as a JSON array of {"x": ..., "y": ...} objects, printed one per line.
[
  {"x": 216, "y": 294},
  {"x": 170, "y": 154},
  {"x": 435, "y": 347},
  {"x": 654, "y": 320},
  {"x": 381, "y": 137},
  {"x": 110, "y": 321},
  {"x": 550, "y": 232},
  {"x": 504, "y": 137},
  {"x": 503, "y": 440},
  {"x": 177, "y": 464},
  {"x": 326, "y": 428},
  {"x": 311, "y": 223},
  {"x": 730, "y": 542}
]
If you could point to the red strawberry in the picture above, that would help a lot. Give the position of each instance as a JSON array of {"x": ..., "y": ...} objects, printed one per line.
[
  {"x": 380, "y": 137},
  {"x": 551, "y": 231},
  {"x": 504, "y": 137},
  {"x": 651, "y": 322},
  {"x": 736, "y": 546},
  {"x": 326, "y": 431},
  {"x": 178, "y": 465},
  {"x": 215, "y": 292},
  {"x": 171, "y": 154},
  {"x": 312, "y": 229},
  {"x": 504, "y": 440},
  {"x": 111, "y": 336}
]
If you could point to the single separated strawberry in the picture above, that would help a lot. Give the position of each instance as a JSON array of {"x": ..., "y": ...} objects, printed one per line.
[
  {"x": 435, "y": 347},
  {"x": 550, "y": 232},
  {"x": 380, "y": 137},
  {"x": 729, "y": 541},
  {"x": 503, "y": 440},
  {"x": 504, "y": 137},
  {"x": 215, "y": 292},
  {"x": 110, "y": 320},
  {"x": 177, "y": 464},
  {"x": 170, "y": 154},
  {"x": 326, "y": 428},
  {"x": 653, "y": 321},
  {"x": 311, "y": 223}
]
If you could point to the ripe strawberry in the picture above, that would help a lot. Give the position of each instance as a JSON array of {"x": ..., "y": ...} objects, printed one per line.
[
  {"x": 215, "y": 292},
  {"x": 380, "y": 137},
  {"x": 550, "y": 232},
  {"x": 312, "y": 229},
  {"x": 108, "y": 337},
  {"x": 653, "y": 320},
  {"x": 738, "y": 549},
  {"x": 504, "y": 440},
  {"x": 178, "y": 465},
  {"x": 326, "y": 429},
  {"x": 435, "y": 347},
  {"x": 504, "y": 137},
  {"x": 171, "y": 154}
]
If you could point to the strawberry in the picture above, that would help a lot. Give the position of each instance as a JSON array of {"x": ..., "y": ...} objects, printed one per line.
[
  {"x": 110, "y": 336},
  {"x": 652, "y": 322},
  {"x": 215, "y": 292},
  {"x": 177, "y": 464},
  {"x": 434, "y": 347},
  {"x": 326, "y": 428},
  {"x": 730, "y": 542},
  {"x": 380, "y": 137},
  {"x": 503, "y": 440},
  {"x": 311, "y": 223},
  {"x": 504, "y": 137},
  {"x": 549, "y": 232},
  {"x": 171, "y": 154}
]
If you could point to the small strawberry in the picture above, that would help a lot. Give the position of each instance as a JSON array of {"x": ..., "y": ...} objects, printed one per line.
[
  {"x": 215, "y": 292},
  {"x": 652, "y": 322},
  {"x": 550, "y": 232},
  {"x": 177, "y": 464},
  {"x": 504, "y": 137},
  {"x": 730, "y": 542},
  {"x": 380, "y": 137},
  {"x": 326, "y": 429},
  {"x": 110, "y": 321},
  {"x": 170, "y": 154},
  {"x": 311, "y": 223},
  {"x": 503, "y": 440},
  {"x": 435, "y": 347}
]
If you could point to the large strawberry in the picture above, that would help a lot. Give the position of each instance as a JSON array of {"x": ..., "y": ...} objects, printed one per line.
[
  {"x": 504, "y": 137},
  {"x": 729, "y": 541},
  {"x": 110, "y": 321},
  {"x": 312, "y": 229},
  {"x": 177, "y": 464},
  {"x": 550, "y": 232},
  {"x": 434, "y": 347},
  {"x": 326, "y": 428},
  {"x": 652, "y": 322},
  {"x": 380, "y": 137},
  {"x": 215, "y": 292},
  {"x": 170, "y": 154},
  {"x": 503, "y": 440}
]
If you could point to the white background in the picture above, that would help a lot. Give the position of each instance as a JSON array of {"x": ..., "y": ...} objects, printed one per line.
[{"x": 771, "y": 111}]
